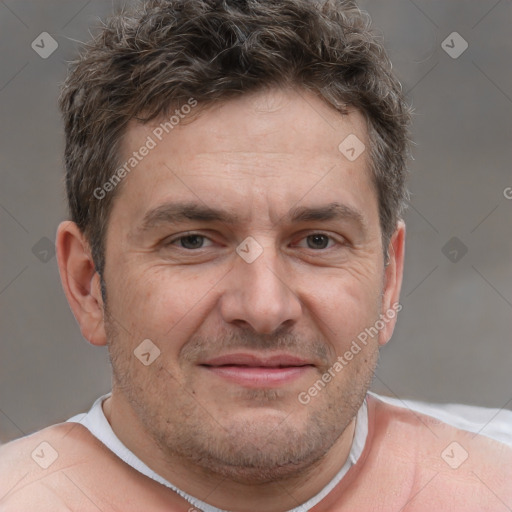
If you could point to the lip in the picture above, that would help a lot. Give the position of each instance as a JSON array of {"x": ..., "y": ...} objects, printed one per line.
[
  {"x": 258, "y": 371},
  {"x": 257, "y": 360}
]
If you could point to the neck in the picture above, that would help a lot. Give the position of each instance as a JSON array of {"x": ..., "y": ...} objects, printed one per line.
[{"x": 205, "y": 485}]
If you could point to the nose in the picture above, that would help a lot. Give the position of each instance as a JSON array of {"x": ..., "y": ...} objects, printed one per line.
[{"x": 260, "y": 295}]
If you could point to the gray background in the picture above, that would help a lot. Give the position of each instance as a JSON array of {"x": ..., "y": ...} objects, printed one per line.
[{"x": 453, "y": 341}]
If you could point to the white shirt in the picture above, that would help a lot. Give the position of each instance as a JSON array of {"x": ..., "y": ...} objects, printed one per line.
[{"x": 494, "y": 423}]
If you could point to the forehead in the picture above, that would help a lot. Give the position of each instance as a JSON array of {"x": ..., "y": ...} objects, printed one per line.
[
  {"x": 277, "y": 147},
  {"x": 268, "y": 120}
]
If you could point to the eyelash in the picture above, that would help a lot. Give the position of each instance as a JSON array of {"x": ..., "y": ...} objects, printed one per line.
[{"x": 192, "y": 233}]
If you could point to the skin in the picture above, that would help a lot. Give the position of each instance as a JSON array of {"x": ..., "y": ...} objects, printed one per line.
[{"x": 259, "y": 156}]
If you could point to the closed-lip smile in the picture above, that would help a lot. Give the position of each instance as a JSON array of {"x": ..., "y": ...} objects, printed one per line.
[{"x": 258, "y": 370}]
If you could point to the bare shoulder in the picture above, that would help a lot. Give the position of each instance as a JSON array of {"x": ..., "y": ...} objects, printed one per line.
[
  {"x": 467, "y": 469},
  {"x": 64, "y": 467},
  {"x": 36, "y": 452},
  {"x": 455, "y": 465},
  {"x": 28, "y": 463}
]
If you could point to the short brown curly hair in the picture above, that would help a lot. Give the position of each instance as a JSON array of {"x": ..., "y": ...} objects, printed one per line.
[{"x": 146, "y": 62}]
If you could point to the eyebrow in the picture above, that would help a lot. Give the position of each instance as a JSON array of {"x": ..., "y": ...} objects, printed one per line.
[
  {"x": 175, "y": 212},
  {"x": 331, "y": 211}
]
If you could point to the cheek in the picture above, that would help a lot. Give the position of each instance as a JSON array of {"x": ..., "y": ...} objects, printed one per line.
[
  {"x": 345, "y": 303},
  {"x": 162, "y": 303}
]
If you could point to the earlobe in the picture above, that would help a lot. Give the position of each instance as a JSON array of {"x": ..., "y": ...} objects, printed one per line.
[
  {"x": 81, "y": 282},
  {"x": 393, "y": 274}
]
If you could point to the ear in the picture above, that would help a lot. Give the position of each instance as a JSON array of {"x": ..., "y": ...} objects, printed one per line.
[
  {"x": 81, "y": 282},
  {"x": 393, "y": 274}
]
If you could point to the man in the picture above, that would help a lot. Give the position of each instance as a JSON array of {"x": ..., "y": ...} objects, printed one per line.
[{"x": 236, "y": 178}]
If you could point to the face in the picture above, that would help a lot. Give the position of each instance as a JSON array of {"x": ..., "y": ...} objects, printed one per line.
[{"x": 246, "y": 246}]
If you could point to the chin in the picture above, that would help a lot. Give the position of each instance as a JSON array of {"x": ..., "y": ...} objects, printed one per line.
[
  {"x": 264, "y": 475},
  {"x": 259, "y": 448},
  {"x": 258, "y": 467}
]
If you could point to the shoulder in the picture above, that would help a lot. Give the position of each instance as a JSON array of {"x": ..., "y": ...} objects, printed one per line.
[
  {"x": 31, "y": 466},
  {"x": 31, "y": 454},
  {"x": 442, "y": 461},
  {"x": 64, "y": 467},
  {"x": 490, "y": 422}
]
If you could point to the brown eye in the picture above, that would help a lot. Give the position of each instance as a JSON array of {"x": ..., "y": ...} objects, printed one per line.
[
  {"x": 317, "y": 241},
  {"x": 191, "y": 241}
]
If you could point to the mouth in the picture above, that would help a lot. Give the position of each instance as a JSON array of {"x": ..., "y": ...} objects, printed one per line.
[{"x": 258, "y": 371}]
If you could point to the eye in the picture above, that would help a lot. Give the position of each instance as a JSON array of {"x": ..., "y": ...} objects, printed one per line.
[
  {"x": 190, "y": 241},
  {"x": 318, "y": 241}
]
